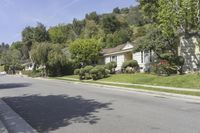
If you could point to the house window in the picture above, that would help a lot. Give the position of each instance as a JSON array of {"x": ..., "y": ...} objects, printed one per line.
[
  {"x": 114, "y": 58},
  {"x": 142, "y": 57}
]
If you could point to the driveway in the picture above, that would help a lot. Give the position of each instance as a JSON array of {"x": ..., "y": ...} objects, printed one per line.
[{"x": 64, "y": 107}]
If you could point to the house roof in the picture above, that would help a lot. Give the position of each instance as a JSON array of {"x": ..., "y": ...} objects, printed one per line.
[{"x": 119, "y": 48}]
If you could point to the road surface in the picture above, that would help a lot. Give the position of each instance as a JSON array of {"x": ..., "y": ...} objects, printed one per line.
[{"x": 64, "y": 107}]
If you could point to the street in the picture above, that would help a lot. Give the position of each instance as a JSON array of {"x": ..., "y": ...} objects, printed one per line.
[{"x": 63, "y": 107}]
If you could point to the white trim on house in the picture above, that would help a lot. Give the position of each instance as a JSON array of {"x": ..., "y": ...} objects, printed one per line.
[
  {"x": 120, "y": 52},
  {"x": 126, "y": 53}
]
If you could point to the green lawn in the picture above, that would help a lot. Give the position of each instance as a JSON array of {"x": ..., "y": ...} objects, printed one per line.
[
  {"x": 1, "y": 68},
  {"x": 69, "y": 76},
  {"x": 182, "y": 81},
  {"x": 123, "y": 76}
]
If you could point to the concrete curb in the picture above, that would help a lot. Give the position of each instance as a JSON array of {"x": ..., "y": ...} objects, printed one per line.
[
  {"x": 161, "y": 94},
  {"x": 12, "y": 121},
  {"x": 134, "y": 90},
  {"x": 144, "y": 85},
  {"x": 3, "y": 128}
]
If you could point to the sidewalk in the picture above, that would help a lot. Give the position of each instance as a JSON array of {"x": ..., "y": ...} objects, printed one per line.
[{"x": 12, "y": 122}]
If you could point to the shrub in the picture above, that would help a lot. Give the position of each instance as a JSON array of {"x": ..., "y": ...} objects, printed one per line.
[
  {"x": 81, "y": 74},
  {"x": 111, "y": 67},
  {"x": 94, "y": 73},
  {"x": 6, "y": 68},
  {"x": 30, "y": 73},
  {"x": 84, "y": 73},
  {"x": 131, "y": 64},
  {"x": 89, "y": 72},
  {"x": 163, "y": 67},
  {"x": 99, "y": 72},
  {"x": 130, "y": 70},
  {"x": 76, "y": 71},
  {"x": 180, "y": 61},
  {"x": 87, "y": 69}
]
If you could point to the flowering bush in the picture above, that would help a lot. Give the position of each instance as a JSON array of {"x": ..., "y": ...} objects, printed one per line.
[{"x": 163, "y": 67}]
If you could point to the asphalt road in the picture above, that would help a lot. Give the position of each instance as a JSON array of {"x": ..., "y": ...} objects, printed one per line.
[{"x": 61, "y": 107}]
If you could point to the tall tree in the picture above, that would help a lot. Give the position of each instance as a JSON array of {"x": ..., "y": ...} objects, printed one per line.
[
  {"x": 85, "y": 51},
  {"x": 39, "y": 55},
  {"x": 61, "y": 34},
  {"x": 77, "y": 26},
  {"x": 110, "y": 23},
  {"x": 93, "y": 16},
  {"x": 40, "y": 33}
]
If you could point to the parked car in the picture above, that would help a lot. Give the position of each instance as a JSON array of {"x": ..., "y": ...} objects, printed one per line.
[{"x": 2, "y": 73}]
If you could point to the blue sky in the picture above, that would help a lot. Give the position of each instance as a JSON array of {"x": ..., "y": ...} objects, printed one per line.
[{"x": 17, "y": 14}]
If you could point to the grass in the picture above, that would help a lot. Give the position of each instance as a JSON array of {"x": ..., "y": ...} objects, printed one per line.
[
  {"x": 132, "y": 86},
  {"x": 68, "y": 77},
  {"x": 183, "y": 81},
  {"x": 1, "y": 68}
]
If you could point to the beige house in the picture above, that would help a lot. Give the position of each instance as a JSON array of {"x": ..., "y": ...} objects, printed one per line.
[{"x": 123, "y": 53}]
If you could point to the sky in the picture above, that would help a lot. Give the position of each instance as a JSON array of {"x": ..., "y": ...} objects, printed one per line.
[{"x": 15, "y": 15}]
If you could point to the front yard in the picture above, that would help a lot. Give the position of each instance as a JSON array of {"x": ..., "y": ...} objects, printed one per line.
[{"x": 182, "y": 81}]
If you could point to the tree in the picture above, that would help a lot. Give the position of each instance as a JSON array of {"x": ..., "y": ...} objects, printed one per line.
[
  {"x": 92, "y": 16},
  {"x": 77, "y": 26},
  {"x": 91, "y": 29},
  {"x": 39, "y": 55},
  {"x": 122, "y": 36},
  {"x": 181, "y": 16},
  {"x": 124, "y": 10},
  {"x": 35, "y": 34},
  {"x": 135, "y": 17},
  {"x": 28, "y": 34},
  {"x": 61, "y": 34},
  {"x": 155, "y": 40},
  {"x": 58, "y": 61},
  {"x": 85, "y": 51},
  {"x": 11, "y": 59},
  {"x": 174, "y": 19},
  {"x": 150, "y": 9},
  {"x": 110, "y": 23},
  {"x": 40, "y": 33},
  {"x": 116, "y": 10}
]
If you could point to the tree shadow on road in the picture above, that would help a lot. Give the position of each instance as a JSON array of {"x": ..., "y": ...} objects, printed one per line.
[
  {"x": 13, "y": 85},
  {"x": 48, "y": 113}
]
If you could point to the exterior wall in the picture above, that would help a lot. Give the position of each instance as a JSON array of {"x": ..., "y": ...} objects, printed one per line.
[
  {"x": 189, "y": 49},
  {"x": 120, "y": 61},
  {"x": 107, "y": 59},
  {"x": 29, "y": 67},
  {"x": 138, "y": 57},
  {"x": 143, "y": 59}
]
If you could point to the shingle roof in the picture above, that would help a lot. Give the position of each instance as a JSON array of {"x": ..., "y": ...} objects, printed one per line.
[{"x": 113, "y": 50}]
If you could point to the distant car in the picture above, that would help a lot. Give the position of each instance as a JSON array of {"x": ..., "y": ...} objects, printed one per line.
[{"x": 2, "y": 73}]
